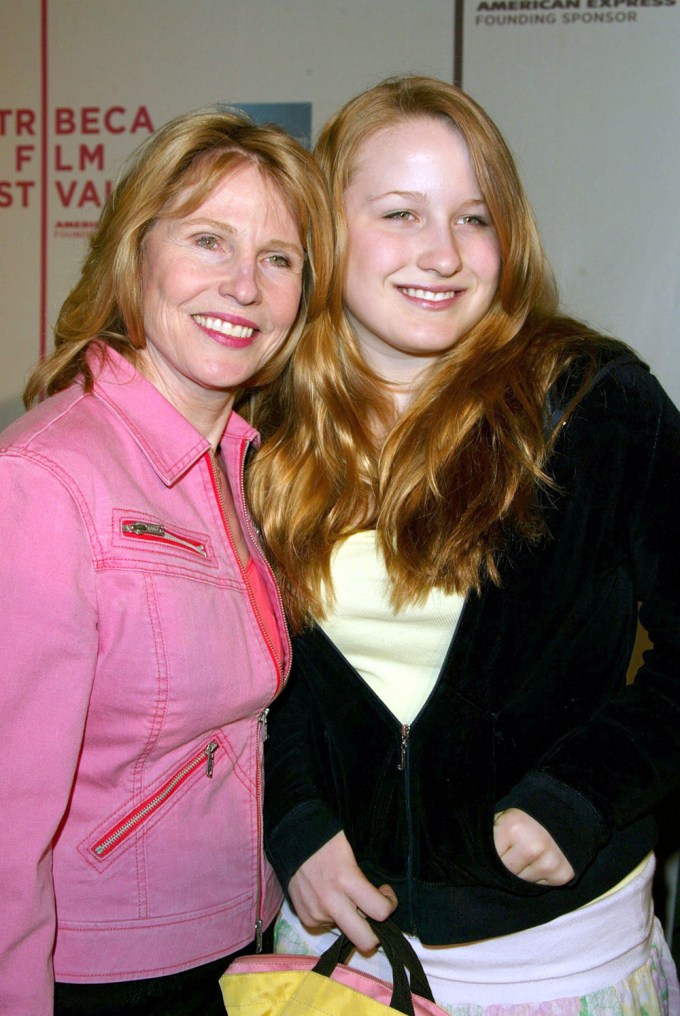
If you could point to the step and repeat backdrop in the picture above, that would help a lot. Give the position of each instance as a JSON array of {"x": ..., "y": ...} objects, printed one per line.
[{"x": 586, "y": 91}]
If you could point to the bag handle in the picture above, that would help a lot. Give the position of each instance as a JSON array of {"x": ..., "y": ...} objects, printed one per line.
[{"x": 401, "y": 956}]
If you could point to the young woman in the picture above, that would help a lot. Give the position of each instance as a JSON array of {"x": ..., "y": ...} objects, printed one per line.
[
  {"x": 141, "y": 633},
  {"x": 467, "y": 496}
]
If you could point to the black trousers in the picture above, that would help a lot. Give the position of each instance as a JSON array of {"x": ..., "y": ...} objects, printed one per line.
[{"x": 190, "y": 993}]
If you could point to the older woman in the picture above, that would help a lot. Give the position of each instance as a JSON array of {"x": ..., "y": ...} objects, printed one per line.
[
  {"x": 479, "y": 493},
  {"x": 140, "y": 628}
]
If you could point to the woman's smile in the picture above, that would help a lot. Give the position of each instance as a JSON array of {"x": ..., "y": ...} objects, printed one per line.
[{"x": 423, "y": 258}]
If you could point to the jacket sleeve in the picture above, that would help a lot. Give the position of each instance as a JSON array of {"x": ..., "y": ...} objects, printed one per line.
[
  {"x": 614, "y": 768},
  {"x": 297, "y": 821},
  {"x": 48, "y": 648}
]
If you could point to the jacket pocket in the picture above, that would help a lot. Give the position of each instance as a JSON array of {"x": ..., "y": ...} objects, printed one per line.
[
  {"x": 158, "y": 543},
  {"x": 119, "y": 830},
  {"x": 134, "y": 528}
]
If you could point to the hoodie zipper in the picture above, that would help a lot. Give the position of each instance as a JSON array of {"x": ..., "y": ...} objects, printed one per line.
[
  {"x": 403, "y": 746},
  {"x": 120, "y": 832},
  {"x": 404, "y": 767}
]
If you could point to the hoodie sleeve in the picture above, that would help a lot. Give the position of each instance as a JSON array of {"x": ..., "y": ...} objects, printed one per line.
[
  {"x": 616, "y": 766},
  {"x": 297, "y": 821}
]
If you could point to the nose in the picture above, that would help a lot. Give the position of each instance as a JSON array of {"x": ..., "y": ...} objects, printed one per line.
[
  {"x": 440, "y": 252},
  {"x": 241, "y": 280}
]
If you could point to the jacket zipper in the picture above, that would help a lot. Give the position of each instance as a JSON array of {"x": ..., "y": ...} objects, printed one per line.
[
  {"x": 255, "y": 541},
  {"x": 214, "y": 466},
  {"x": 262, "y": 719},
  {"x": 131, "y": 822},
  {"x": 152, "y": 531},
  {"x": 264, "y": 733},
  {"x": 263, "y": 715}
]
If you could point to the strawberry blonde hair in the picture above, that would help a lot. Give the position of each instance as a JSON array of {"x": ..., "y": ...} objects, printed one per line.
[
  {"x": 460, "y": 470},
  {"x": 169, "y": 175}
]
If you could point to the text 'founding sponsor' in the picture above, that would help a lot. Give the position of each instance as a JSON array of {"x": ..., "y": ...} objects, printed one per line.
[{"x": 565, "y": 12}]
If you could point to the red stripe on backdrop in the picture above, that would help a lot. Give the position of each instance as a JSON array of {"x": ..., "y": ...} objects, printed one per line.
[{"x": 43, "y": 185}]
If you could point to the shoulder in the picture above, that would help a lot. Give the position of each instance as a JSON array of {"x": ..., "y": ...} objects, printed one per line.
[
  {"x": 603, "y": 379},
  {"x": 609, "y": 411},
  {"x": 47, "y": 424},
  {"x": 54, "y": 444},
  {"x": 589, "y": 364}
]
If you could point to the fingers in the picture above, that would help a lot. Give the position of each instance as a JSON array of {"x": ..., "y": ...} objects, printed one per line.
[
  {"x": 345, "y": 913},
  {"x": 527, "y": 849},
  {"x": 390, "y": 894},
  {"x": 330, "y": 889}
]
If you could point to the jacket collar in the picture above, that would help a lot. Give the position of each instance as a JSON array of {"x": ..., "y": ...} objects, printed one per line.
[{"x": 167, "y": 439}]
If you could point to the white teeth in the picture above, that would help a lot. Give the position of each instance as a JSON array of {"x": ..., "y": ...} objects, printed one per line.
[
  {"x": 224, "y": 327},
  {"x": 429, "y": 294}
]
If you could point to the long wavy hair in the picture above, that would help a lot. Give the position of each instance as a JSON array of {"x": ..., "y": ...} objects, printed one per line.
[
  {"x": 448, "y": 480},
  {"x": 169, "y": 175}
]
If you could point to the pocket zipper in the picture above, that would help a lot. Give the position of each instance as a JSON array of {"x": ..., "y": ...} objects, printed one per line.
[
  {"x": 129, "y": 824},
  {"x": 155, "y": 532}
]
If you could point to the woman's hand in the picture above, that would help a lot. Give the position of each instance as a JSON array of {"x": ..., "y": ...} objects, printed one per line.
[
  {"x": 330, "y": 889},
  {"x": 527, "y": 849}
]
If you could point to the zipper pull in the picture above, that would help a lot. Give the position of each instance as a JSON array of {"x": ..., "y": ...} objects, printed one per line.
[
  {"x": 144, "y": 528},
  {"x": 210, "y": 755},
  {"x": 405, "y": 731},
  {"x": 258, "y": 935},
  {"x": 262, "y": 719}
]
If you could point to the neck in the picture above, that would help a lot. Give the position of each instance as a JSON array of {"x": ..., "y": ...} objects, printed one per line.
[{"x": 208, "y": 411}]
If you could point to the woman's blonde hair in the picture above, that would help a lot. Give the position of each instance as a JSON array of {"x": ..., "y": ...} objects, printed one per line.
[
  {"x": 460, "y": 469},
  {"x": 170, "y": 175}
]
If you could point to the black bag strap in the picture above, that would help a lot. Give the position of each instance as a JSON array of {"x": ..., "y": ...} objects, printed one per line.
[
  {"x": 405, "y": 954},
  {"x": 401, "y": 956}
]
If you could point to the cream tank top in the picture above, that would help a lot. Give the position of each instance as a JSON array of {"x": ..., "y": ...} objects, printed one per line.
[{"x": 399, "y": 655}]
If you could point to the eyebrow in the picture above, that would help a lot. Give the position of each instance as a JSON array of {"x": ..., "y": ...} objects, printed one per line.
[
  {"x": 420, "y": 196},
  {"x": 407, "y": 195}
]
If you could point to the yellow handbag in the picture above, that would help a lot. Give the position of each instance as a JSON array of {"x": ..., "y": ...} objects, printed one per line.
[{"x": 283, "y": 985}]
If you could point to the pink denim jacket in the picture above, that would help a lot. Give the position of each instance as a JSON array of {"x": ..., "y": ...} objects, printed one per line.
[{"x": 133, "y": 692}]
